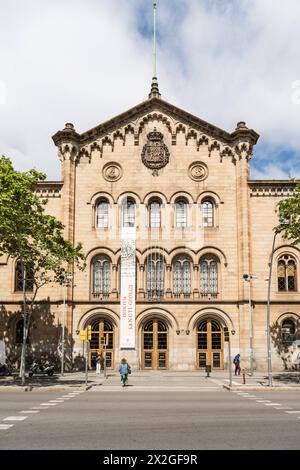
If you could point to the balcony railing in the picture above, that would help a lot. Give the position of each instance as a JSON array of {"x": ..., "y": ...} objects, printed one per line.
[
  {"x": 157, "y": 296},
  {"x": 101, "y": 295}
]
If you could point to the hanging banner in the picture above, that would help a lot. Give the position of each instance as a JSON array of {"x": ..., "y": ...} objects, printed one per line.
[{"x": 127, "y": 325}]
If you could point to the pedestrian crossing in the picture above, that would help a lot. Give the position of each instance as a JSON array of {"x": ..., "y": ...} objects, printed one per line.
[{"x": 153, "y": 388}]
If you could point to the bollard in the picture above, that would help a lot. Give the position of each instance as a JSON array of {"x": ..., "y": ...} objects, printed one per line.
[
  {"x": 208, "y": 370},
  {"x": 244, "y": 376}
]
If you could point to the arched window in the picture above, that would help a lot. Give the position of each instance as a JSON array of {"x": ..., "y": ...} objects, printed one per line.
[
  {"x": 128, "y": 213},
  {"x": 181, "y": 213},
  {"x": 288, "y": 330},
  {"x": 207, "y": 208},
  {"x": 286, "y": 274},
  {"x": 19, "y": 278},
  {"x": 154, "y": 213},
  {"x": 20, "y": 332},
  {"x": 155, "y": 276},
  {"x": 208, "y": 276},
  {"x": 102, "y": 214},
  {"x": 101, "y": 275},
  {"x": 182, "y": 275}
]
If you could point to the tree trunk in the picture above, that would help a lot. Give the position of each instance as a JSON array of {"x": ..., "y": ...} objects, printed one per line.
[{"x": 23, "y": 354}]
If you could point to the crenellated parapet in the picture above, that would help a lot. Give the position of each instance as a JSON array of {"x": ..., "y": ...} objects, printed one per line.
[
  {"x": 272, "y": 188},
  {"x": 49, "y": 189}
]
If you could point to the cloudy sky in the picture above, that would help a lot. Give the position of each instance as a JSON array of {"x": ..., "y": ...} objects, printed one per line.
[{"x": 84, "y": 61}]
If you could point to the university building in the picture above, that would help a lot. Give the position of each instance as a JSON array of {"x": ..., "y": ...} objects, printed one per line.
[{"x": 170, "y": 223}]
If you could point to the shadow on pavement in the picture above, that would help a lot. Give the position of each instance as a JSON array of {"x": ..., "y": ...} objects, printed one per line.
[
  {"x": 288, "y": 378},
  {"x": 40, "y": 381}
]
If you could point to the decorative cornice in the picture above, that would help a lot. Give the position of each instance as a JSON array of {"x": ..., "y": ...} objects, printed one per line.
[
  {"x": 272, "y": 188},
  {"x": 242, "y": 133}
]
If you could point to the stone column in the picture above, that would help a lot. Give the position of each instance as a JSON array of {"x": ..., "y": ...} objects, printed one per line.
[
  {"x": 196, "y": 292},
  {"x": 141, "y": 282},
  {"x": 168, "y": 281},
  {"x": 114, "y": 292}
]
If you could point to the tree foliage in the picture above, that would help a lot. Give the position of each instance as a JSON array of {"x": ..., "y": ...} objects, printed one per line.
[
  {"x": 31, "y": 236},
  {"x": 289, "y": 219}
]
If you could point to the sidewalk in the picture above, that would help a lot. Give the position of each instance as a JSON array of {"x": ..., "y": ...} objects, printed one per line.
[{"x": 146, "y": 379}]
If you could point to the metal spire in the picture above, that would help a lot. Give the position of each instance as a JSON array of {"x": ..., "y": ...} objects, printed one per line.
[{"x": 154, "y": 85}]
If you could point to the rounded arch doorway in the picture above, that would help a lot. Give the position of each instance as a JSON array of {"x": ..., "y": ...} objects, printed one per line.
[
  {"x": 209, "y": 344},
  {"x": 155, "y": 345},
  {"x": 102, "y": 343}
]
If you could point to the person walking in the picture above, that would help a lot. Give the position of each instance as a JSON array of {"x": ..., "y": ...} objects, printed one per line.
[
  {"x": 237, "y": 363},
  {"x": 124, "y": 370},
  {"x": 98, "y": 363}
]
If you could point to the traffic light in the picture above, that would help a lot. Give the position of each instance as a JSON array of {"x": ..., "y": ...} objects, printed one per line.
[
  {"x": 226, "y": 334},
  {"x": 82, "y": 335},
  {"x": 89, "y": 332}
]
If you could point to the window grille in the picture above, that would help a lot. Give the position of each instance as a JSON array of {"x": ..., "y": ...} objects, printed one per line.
[
  {"x": 155, "y": 276},
  {"x": 29, "y": 274},
  {"x": 288, "y": 330},
  {"x": 182, "y": 276},
  {"x": 102, "y": 214},
  {"x": 208, "y": 276},
  {"x": 286, "y": 274},
  {"x": 128, "y": 209},
  {"x": 181, "y": 214},
  {"x": 155, "y": 215},
  {"x": 101, "y": 275},
  {"x": 207, "y": 214}
]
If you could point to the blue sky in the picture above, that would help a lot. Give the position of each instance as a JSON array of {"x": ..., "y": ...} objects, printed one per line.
[{"x": 84, "y": 61}]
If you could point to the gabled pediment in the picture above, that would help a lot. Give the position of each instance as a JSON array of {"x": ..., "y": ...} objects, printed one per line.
[{"x": 176, "y": 119}]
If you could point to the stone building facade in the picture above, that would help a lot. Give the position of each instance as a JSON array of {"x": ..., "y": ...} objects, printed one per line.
[{"x": 201, "y": 224}]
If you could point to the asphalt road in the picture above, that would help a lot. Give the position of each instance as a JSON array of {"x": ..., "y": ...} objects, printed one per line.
[{"x": 115, "y": 418}]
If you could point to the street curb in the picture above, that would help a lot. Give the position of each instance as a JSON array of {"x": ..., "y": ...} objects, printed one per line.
[
  {"x": 261, "y": 388},
  {"x": 41, "y": 389}
]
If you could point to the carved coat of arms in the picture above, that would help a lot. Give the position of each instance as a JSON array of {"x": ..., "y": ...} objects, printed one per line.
[{"x": 155, "y": 153}]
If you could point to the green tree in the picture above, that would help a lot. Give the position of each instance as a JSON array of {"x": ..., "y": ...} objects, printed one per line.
[
  {"x": 289, "y": 218},
  {"x": 33, "y": 237}
]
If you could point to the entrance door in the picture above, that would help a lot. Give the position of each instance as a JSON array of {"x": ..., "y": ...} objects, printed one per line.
[
  {"x": 209, "y": 344},
  {"x": 155, "y": 345},
  {"x": 102, "y": 331}
]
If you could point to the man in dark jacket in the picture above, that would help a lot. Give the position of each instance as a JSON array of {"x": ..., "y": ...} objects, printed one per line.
[{"x": 236, "y": 362}]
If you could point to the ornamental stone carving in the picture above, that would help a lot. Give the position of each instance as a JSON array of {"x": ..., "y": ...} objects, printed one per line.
[
  {"x": 155, "y": 153},
  {"x": 112, "y": 171},
  {"x": 198, "y": 171}
]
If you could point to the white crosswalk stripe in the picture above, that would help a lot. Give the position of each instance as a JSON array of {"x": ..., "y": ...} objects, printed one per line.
[
  {"x": 154, "y": 388},
  {"x": 15, "y": 418},
  {"x": 5, "y": 426},
  {"x": 31, "y": 412}
]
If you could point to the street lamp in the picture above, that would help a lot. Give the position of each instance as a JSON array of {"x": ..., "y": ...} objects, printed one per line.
[
  {"x": 284, "y": 223},
  {"x": 65, "y": 279},
  {"x": 248, "y": 278},
  {"x": 270, "y": 378}
]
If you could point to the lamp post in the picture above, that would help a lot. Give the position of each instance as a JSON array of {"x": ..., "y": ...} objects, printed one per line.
[
  {"x": 270, "y": 378},
  {"x": 248, "y": 278},
  {"x": 65, "y": 279}
]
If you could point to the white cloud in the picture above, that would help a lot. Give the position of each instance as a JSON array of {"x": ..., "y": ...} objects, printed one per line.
[{"x": 86, "y": 60}]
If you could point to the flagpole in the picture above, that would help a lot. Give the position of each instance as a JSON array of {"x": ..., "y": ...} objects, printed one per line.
[
  {"x": 154, "y": 93},
  {"x": 154, "y": 37}
]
